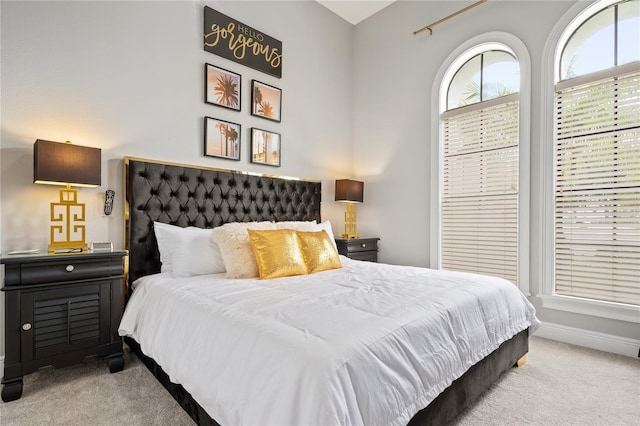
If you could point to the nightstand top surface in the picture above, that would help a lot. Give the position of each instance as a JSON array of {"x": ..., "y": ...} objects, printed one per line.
[{"x": 17, "y": 258}]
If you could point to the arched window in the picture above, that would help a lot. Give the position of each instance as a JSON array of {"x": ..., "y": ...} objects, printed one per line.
[
  {"x": 606, "y": 39},
  {"x": 596, "y": 156},
  {"x": 479, "y": 162},
  {"x": 488, "y": 75}
]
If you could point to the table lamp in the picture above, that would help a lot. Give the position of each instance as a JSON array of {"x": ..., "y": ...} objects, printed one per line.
[
  {"x": 56, "y": 163},
  {"x": 349, "y": 191}
]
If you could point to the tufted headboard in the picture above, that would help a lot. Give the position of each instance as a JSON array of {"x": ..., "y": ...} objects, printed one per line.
[{"x": 186, "y": 195}]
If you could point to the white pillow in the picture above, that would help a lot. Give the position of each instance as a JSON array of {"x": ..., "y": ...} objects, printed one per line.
[
  {"x": 326, "y": 226},
  {"x": 197, "y": 254},
  {"x": 235, "y": 247},
  {"x": 167, "y": 236},
  {"x": 310, "y": 226},
  {"x": 188, "y": 251}
]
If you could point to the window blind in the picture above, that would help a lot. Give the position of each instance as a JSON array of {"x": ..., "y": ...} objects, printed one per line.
[
  {"x": 479, "y": 231},
  {"x": 597, "y": 186}
]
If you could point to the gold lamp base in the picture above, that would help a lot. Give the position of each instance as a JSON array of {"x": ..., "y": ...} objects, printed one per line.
[
  {"x": 350, "y": 223},
  {"x": 67, "y": 217}
]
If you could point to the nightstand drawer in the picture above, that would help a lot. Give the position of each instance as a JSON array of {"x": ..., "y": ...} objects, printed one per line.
[
  {"x": 61, "y": 269},
  {"x": 358, "y": 244},
  {"x": 363, "y": 245}
]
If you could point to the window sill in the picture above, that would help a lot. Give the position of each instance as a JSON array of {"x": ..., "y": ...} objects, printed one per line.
[{"x": 616, "y": 311}]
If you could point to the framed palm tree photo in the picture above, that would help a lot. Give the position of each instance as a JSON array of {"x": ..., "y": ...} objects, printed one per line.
[
  {"x": 266, "y": 101},
  {"x": 222, "y": 87},
  {"x": 265, "y": 147},
  {"x": 221, "y": 139}
]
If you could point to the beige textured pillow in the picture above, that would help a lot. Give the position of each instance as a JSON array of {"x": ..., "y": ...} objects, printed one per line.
[
  {"x": 301, "y": 225},
  {"x": 235, "y": 247}
]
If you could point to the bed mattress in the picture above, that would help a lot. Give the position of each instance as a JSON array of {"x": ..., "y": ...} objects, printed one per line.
[{"x": 366, "y": 344}]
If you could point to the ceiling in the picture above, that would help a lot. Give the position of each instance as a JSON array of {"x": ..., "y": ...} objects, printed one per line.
[{"x": 355, "y": 11}]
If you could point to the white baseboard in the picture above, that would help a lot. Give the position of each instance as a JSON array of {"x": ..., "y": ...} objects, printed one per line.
[{"x": 590, "y": 339}]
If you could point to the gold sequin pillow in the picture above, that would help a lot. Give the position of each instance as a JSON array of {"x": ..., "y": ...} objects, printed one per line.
[
  {"x": 277, "y": 253},
  {"x": 318, "y": 251}
]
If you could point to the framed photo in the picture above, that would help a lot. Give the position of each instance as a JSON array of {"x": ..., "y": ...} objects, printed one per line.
[
  {"x": 222, "y": 87},
  {"x": 221, "y": 139},
  {"x": 266, "y": 101},
  {"x": 265, "y": 147}
]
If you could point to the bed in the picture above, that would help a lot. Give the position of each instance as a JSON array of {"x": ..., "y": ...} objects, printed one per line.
[{"x": 361, "y": 344}]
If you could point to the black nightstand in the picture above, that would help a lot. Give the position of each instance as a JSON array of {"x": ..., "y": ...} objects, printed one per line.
[
  {"x": 359, "y": 248},
  {"x": 60, "y": 308}
]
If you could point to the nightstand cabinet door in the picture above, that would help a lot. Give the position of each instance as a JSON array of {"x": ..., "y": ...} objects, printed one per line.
[
  {"x": 359, "y": 248},
  {"x": 57, "y": 321},
  {"x": 368, "y": 256}
]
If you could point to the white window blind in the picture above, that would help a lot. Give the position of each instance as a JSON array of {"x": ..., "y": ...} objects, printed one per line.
[
  {"x": 597, "y": 186},
  {"x": 479, "y": 214}
]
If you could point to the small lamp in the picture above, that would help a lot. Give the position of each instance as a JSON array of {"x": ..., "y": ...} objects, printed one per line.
[
  {"x": 349, "y": 191},
  {"x": 56, "y": 163}
]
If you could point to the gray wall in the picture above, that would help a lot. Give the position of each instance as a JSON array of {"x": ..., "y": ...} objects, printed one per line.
[
  {"x": 395, "y": 72},
  {"x": 128, "y": 77}
]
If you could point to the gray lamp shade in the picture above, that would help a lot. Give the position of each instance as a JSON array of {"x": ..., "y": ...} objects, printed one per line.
[
  {"x": 64, "y": 163},
  {"x": 349, "y": 190}
]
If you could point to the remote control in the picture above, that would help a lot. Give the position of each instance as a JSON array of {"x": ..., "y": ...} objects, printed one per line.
[{"x": 108, "y": 201}]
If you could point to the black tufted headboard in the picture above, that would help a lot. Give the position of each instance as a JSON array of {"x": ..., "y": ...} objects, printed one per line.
[{"x": 204, "y": 197}]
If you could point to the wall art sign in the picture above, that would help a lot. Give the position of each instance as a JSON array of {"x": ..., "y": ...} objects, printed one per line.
[{"x": 233, "y": 40}]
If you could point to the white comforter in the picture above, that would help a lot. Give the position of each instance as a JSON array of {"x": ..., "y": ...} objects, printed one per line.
[{"x": 368, "y": 344}]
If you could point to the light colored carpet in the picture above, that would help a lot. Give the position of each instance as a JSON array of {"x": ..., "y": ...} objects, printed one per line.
[
  {"x": 87, "y": 394},
  {"x": 560, "y": 385}
]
